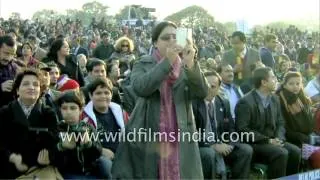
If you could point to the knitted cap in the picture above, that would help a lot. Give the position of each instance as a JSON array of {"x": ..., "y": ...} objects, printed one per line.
[{"x": 65, "y": 83}]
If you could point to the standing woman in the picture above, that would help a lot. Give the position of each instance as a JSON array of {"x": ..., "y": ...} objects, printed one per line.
[
  {"x": 67, "y": 63},
  {"x": 165, "y": 86},
  {"x": 27, "y": 129},
  {"x": 124, "y": 53}
]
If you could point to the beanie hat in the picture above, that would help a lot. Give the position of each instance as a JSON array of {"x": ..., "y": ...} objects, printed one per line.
[{"x": 65, "y": 83}]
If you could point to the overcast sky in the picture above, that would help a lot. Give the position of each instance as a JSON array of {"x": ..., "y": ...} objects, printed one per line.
[{"x": 254, "y": 11}]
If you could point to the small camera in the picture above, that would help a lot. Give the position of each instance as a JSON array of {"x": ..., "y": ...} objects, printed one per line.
[{"x": 314, "y": 139}]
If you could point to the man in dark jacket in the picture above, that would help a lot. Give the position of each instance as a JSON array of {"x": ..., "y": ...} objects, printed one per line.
[
  {"x": 213, "y": 116},
  {"x": 7, "y": 69},
  {"x": 105, "y": 49},
  {"x": 304, "y": 52},
  {"x": 240, "y": 57},
  {"x": 270, "y": 41},
  {"x": 259, "y": 112}
]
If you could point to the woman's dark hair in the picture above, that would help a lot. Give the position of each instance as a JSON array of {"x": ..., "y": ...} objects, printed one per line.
[
  {"x": 259, "y": 75},
  {"x": 102, "y": 82},
  {"x": 290, "y": 75},
  {"x": 54, "y": 48},
  {"x": 19, "y": 77},
  {"x": 72, "y": 96},
  {"x": 109, "y": 68},
  {"x": 287, "y": 77},
  {"x": 159, "y": 28}
]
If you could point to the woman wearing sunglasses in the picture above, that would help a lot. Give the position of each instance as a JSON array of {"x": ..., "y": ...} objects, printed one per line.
[
  {"x": 165, "y": 84},
  {"x": 124, "y": 53}
]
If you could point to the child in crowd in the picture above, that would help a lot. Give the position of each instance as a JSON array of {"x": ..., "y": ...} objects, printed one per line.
[{"x": 76, "y": 157}]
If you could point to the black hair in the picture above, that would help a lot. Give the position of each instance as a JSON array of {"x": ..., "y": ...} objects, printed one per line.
[
  {"x": 105, "y": 33},
  {"x": 8, "y": 40},
  {"x": 259, "y": 75},
  {"x": 159, "y": 28},
  {"x": 95, "y": 62},
  {"x": 219, "y": 68},
  {"x": 102, "y": 82},
  {"x": 19, "y": 77},
  {"x": 71, "y": 96},
  {"x": 60, "y": 36},
  {"x": 213, "y": 73},
  {"x": 54, "y": 48},
  {"x": 241, "y": 36}
]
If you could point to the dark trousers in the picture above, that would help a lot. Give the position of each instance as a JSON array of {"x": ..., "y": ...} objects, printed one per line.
[
  {"x": 239, "y": 160},
  {"x": 281, "y": 161},
  {"x": 208, "y": 161}
]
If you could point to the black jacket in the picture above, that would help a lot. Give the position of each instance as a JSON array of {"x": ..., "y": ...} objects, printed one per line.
[
  {"x": 250, "y": 117},
  {"x": 71, "y": 69},
  {"x": 81, "y": 159},
  {"x": 25, "y": 136},
  {"x": 225, "y": 122}
]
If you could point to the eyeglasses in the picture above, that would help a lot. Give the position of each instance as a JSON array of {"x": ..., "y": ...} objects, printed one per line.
[
  {"x": 125, "y": 45},
  {"x": 168, "y": 36}
]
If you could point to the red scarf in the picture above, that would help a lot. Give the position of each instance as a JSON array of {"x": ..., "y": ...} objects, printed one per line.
[{"x": 169, "y": 163}]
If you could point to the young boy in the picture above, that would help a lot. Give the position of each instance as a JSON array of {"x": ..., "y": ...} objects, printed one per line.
[{"x": 77, "y": 154}]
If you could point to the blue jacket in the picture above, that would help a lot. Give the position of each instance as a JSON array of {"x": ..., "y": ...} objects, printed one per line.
[{"x": 267, "y": 58}]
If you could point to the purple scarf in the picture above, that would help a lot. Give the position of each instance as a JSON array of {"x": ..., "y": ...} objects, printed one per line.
[{"x": 169, "y": 163}]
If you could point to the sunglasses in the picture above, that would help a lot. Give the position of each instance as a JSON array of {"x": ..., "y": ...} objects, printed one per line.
[
  {"x": 125, "y": 45},
  {"x": 168, "y": 36}
]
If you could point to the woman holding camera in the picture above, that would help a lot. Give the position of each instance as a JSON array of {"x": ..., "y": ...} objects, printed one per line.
[{"x": 165, "y": 85}]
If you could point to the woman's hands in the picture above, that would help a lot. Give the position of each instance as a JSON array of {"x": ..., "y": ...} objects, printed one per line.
[{"x": 188, "y": 53}]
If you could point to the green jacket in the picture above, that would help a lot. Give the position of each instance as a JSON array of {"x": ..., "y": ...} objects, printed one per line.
[{"x": 134, "y": 160}]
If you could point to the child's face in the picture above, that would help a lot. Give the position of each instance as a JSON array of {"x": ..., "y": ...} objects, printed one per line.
[{"x": 70, "y": 112}]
